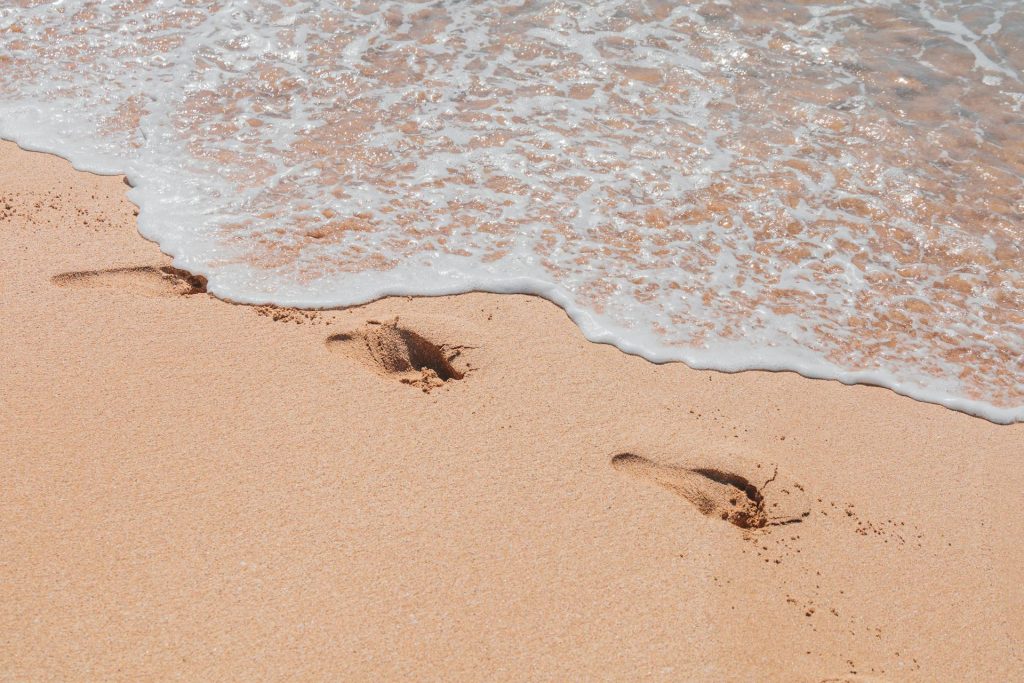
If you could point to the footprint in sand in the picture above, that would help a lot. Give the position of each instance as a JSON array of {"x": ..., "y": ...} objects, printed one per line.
[
  {"x": 154, "y": 281},
  {"x": 720, "y": 493},
  {"x": 399, "y": 352}
]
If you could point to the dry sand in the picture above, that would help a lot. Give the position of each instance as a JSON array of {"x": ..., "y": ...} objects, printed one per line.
[{"x": 199, "y": 490}]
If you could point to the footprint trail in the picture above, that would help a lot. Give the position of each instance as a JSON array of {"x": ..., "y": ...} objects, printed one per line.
[
  {"x": 720, "y": 493},
  {"x": 397, "y": 351},
  {"x": 152, "y": 281}
]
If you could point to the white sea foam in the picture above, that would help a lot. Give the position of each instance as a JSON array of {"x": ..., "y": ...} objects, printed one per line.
[{"x": 830, "y": 188}]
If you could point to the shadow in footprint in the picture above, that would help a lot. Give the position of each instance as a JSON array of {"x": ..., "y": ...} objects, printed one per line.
[
  {"x": 156, "y": 281},
  {"x": 400, "y": 352},
  {"x": 719, "y": 493}
]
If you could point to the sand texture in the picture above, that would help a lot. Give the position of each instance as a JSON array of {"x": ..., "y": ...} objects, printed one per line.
[{"x": 456, "y": 488}]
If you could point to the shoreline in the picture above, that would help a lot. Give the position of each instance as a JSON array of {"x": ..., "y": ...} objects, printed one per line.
[
  {"x": 795, "y": 360},
  {"x": 807, "y": 367},
  {"x": 199, "y": 489}
]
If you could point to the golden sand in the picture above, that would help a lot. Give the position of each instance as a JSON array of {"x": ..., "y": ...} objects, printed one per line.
[{"x": 456, "y": 488}]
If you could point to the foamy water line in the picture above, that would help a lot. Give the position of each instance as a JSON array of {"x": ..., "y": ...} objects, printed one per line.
[{"x": 833, "y": 190}]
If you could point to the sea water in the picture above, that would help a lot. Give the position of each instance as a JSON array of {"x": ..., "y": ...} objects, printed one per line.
[{"x": 835, "y": 188}]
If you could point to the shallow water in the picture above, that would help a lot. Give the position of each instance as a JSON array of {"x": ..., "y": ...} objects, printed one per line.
[{"x": 835, "y": 188}]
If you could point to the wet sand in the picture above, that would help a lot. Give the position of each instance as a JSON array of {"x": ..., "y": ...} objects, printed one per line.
[{"x": 456, "y": 488}]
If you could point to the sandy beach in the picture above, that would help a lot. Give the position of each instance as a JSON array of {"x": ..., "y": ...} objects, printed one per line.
[{"x": 456, "y": 488}]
